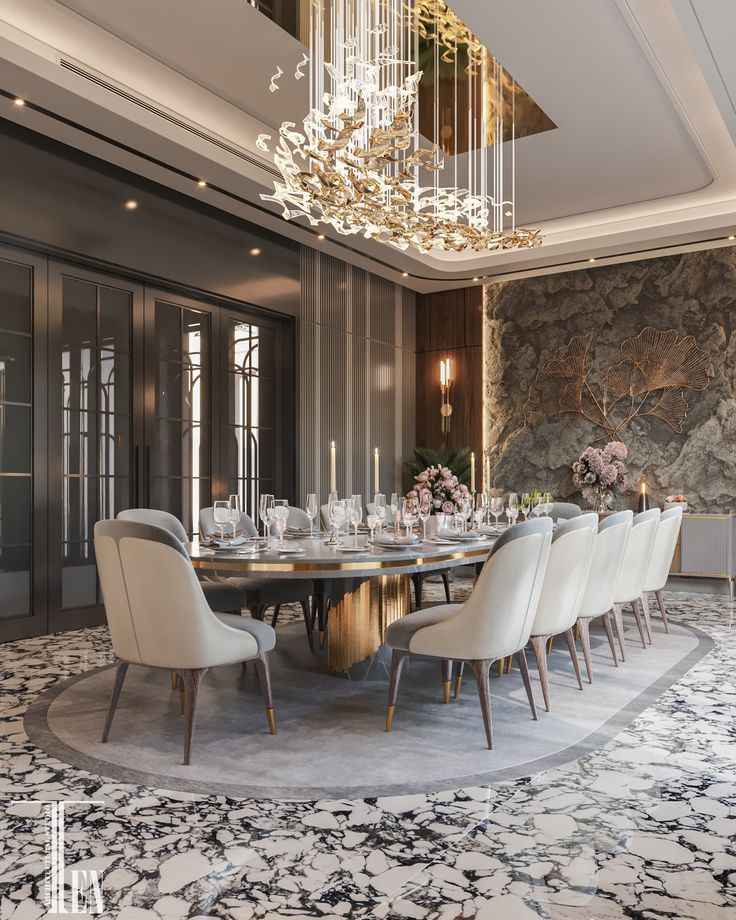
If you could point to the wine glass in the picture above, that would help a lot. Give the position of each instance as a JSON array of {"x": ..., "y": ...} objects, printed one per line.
[
  {"x": 280, "y": 524},
  {"x": 525, "y": 504},
  {"x": 221, "y": 515},
  {"x": 312, "y": 511},
  {"x": 480, "y": 510},
  {"x": 394, "y": 506},
  {"x": 537, "y": 504},
  {"x": 496, "y": 508},
  {"x": 407, "y": 516},
  {"x": 372, "y": 522},
  {"x": 465, "y": 508},
  {"x": 266, "y": 501},
  {"x": 336, "y": 514},
  {"x": 547, "y": 509},
  {"x": 379, "y": 506},
  {"x": 512, "y": 509},
  {"x": 279, "y": 516},
  {"x": 425, "y": 512},
  {"x": 235, "y": 511},
  {"x": 355, "y": 509}
]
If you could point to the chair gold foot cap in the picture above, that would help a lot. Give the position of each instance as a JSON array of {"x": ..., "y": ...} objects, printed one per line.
[
  {"x": 446, "y": 690},
  {"x": 458, "y": 684},
  {"x": 271, "y": 721},
  {"x": 389, "y": 717},
  {"x": 174, "y": 680}
]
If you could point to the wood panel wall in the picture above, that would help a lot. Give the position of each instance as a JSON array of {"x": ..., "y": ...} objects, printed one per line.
[{"x": 450, "y": 324}]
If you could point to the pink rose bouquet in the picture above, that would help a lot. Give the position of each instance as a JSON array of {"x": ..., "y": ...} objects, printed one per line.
[{"x": 440, "y": 486}]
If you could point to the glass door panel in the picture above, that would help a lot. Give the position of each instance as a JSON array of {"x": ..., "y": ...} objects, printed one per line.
[
  {"x": 178, "y": 442},
  {"x": 92, "y": 407}
]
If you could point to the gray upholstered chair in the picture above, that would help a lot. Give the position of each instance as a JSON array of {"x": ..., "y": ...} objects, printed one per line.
[
  {"x": 562, "y": 593},
  {"x": 298, "y": 518},
  {"x": 600, "y": 588},
  {"x": 159, "y": 617},
  {"x": 660, "y": 562},
  {"x": 493, "y": 623},
  {"x": 630, "y": 586},
  {"x": 563, "y": 511}
]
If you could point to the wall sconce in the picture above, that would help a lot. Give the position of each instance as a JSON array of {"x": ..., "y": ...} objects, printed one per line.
[{"x": 445, "y": 386}]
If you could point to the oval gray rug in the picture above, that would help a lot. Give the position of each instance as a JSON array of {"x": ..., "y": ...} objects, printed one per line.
[{"x": 330, "y": 741}]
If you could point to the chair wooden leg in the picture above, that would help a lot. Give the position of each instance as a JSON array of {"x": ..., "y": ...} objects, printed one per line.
[
  {"x": 398, "y": 658},
  {"x": 644, "y": 607},
  {"x": 618, "y": 622},
  {"x": 538, "y": 644},
  {"x": 446, "y": 679},
  {"x": 481, "y": 668},
  {"x": 570, "y": 636},
  {"x": 446, "y": 582},
  {"x": 583, "y": 630},
  {"x": 639, "y": 622},
  {"x": 191, "y": 678},
  {"x": 121, "y": 669},
  {"x": 607, "y": 617},
  {"x": 459, "y": 668},
  {"x": 662, "y": 610},
  {"x": 308, "y": 623},
  {"x": 418, "y": 583},
  {"x": 182, "y": 698},
  {"x": 524, "y": 668},
  {"x": 264, "y": 678},
  {"x": 275, "y": 617},
  {"x": 174, "y": 680}
]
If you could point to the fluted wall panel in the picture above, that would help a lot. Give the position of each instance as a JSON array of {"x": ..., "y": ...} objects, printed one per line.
[{"x": 356, "y": 377}]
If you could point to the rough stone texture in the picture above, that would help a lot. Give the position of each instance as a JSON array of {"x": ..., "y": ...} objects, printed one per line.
[{"x": 525, "y": 321}]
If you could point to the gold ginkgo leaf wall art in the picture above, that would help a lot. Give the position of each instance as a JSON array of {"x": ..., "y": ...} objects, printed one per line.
[{"x": 649, "y": 382}]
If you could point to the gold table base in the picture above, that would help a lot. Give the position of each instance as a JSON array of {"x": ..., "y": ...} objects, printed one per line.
[{"x": 357, "y": 625}]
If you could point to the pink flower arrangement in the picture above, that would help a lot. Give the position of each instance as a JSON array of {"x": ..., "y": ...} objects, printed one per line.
[
  {"x": 440, "y": 486},
  {"x": 600, "y": 470}
]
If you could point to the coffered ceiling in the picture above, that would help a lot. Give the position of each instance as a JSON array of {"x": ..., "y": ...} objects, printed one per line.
[{"x": 641, "y": 92}]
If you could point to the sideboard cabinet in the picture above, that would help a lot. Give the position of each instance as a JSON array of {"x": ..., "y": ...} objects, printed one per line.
[{"x": 707, "y": 547}]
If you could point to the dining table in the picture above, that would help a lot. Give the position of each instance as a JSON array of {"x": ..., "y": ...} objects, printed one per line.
[{"x": 370, "y": 583}]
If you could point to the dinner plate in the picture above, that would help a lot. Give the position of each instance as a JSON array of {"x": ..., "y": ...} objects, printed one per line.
[
  {"x": 289, "y": 550},
  {"x": 353, "y": 549}
]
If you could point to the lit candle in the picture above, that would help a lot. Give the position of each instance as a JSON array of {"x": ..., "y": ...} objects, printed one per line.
[
  {"x": 375, "y": 470},
  {"x": 333, "y": 468},
  {"x": 472, "y": 472}
]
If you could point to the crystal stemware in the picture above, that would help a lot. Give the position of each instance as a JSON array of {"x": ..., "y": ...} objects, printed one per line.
[
  {"x": 355, "y": 509},
  {"x": 266, "y": 501},
  {"x": 379, "y": 508},
  {"x": 312, "y": 509},
  {"x": 425, "y": 512},
  {"x": 235, "y": 510},
  {"x": 221, "y": 516}
]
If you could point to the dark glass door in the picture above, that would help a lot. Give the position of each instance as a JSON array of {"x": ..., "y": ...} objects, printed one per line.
[
  {"x": 92, "y": 429},
  {"x": 178, "y": 449},
  {"x": 23, "y": 323}
]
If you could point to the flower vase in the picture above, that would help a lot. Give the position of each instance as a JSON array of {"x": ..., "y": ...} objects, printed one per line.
[{"x": 599, "y": 503}]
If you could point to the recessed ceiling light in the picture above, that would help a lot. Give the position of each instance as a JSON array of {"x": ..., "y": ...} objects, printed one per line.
[
  {"x": 405, "y": 274},
  {"x": 131, "y": 205},
  {"x": 321, "y": 236},
  {"x": 202, "y": 183},
  {"x": 19, "y": 102},
  {"x": 509, "y": 213},
  {"x": 476, "y": 278},
  {"x": 591, "y": 260},
  {"x": 255, "y": 251},
  {"x": 732, "y": 237}
]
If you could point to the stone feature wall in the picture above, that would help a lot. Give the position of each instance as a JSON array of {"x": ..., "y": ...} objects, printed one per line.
[{"x": 525, "y": 321}]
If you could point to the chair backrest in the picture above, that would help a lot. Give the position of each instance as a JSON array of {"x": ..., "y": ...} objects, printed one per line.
[
  {"x": 297, "y": 518},
  {"x": 371, "y": 507},
  {"x": 564, "y": 511},
  {"x": 496, "y": 619},
  {"x": 636, "y": 559},
  {"x": 665, "y": 541},
  {"x": 208, "y": 528},
  {"x": 157, "y": 519},
  {"x": 605, "y": 567},
  {"x": 567, "y": 572},
  {"x": 156, "y": 610}
]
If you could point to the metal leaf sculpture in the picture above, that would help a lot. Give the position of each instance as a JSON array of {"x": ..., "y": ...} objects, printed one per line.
[{"x": 649, "y": 382}]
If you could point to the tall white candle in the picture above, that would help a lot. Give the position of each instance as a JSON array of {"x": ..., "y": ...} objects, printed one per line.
[
  {"x": 333, "y": 468},
  {"x": 472, "y": 472},
  {"x": 375, "y": 471}
]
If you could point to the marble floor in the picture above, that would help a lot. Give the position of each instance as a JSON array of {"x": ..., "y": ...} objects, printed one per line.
[{"x": 642, "y": 828}]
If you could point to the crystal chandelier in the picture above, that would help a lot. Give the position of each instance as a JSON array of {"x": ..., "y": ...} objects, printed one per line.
[{"x": 360, "y": 163}]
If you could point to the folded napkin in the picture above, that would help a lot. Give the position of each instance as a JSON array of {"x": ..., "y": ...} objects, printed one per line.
[
  {"x": 386, "y": 540},
  {"x": 490, "y": 529},
  {"x": 225, "y": 544}
]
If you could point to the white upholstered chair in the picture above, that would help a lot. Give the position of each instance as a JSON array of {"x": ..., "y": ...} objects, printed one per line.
[
  {"x": 600, "y": 588},
  {"x": 630, "y": 585},
  {"x": 208, "y": 528},
  {"x": 159, "y": 617},
  {"x": 563, "y": 511},
  {"x": 562, "y": 592},
  {"x": 298, "y": 518},
  {"x": 660, "y": 561},
  {"x": 493, "y": 623}
]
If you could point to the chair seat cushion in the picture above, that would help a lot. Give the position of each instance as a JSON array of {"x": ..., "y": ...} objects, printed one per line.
[
  {"x": 261, "y": 632},
  {"x": 266, "y": 592},
  {"x": 223, "y": 596},
  {"x": 400, "y": 633}
]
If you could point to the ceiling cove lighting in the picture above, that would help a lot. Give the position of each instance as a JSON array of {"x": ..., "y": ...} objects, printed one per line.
[{"x": 359, "y": 163}]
